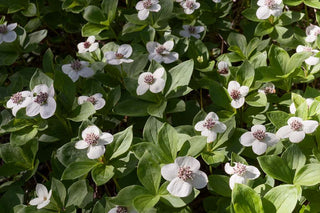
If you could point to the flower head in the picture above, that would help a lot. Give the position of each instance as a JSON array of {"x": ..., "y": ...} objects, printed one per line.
[
  {"x": 146, "y": 6},
  {"x": 184, "y": 174},
  {"x": 189, "y": 31},
  {"x": 88, "y": 46},
  {"x": 77, "y": 68},
  {"x": 19, "y": 100},
  {"x": 190, "y": 6},
  {"x": 259, "y": 139},
  {"x": 268, "y": 8},
  {"x": 241, "y": 173},
  {"x": 120, "y": 56},
  {"x": 96, "y": 99},
  {"x": 151, "y": 81},
  {"x": 43, "y": 198},
  {"x": 122, "y": 209},
  {"x": 210, "y": 126},
  {"x": 312, "y": 32},
  {"x": 42, "y": 102},
  {"x": 94, "y": 140},
  {"x": 267, "y": 88},
  {"x": 161, "y": 52},
  {"x": 223, "y": 68},
  {"x": 7, "y": 34},
  {"x": 237, "y": 93},
  {"x": 311, "y": 60},
  {"x": 293, "y": 108},
  {"x": 297, "y": 129}
]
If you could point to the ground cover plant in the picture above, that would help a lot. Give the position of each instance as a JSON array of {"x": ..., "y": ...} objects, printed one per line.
[{"x": 159, "y": 106}]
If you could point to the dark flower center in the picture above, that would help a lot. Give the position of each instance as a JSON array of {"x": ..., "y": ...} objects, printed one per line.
[
  {"x": 17, "y": 98},
  {"x": 192, "y": 29},
  {"x": 87, "y": 44},
  {"x": 296, "y": 125},
  {"x": 189, "y": 4},
  {"x": 41, "y": 98},
  {"x": 160, "y": 49},
  {"x": 269, "y": 90},
  {"x": 209, "y": 124},
  {"x": 92, "y": 100},
  {"x": 223, "y": 71},
  {"x": 76, "y": 65},
  {"x": 91, "y": 138},
  {"x": 3, "y": 28},
  {"x": 119, "y": 55},
  {"x": 147, "y": 4},
  {"x": 259, "y": 134},
  {"x": 185, "y": 173},
  {"x": 235, "y": 94},
  {"x": 149, "y": 79},
  {"x": 239, "y": 169},
  {"x": 270, "y": 4}
]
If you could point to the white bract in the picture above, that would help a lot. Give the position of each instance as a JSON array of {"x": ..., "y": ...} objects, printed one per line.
[
  {"x": 297, "y": 129},
  {"x": 267, "y": 88},
  {"x": 94, "y": 140},
  {"x": 210, "y": 126},
  {"x": 77, "y": 68},
  {"x": 43, "y": 198},
  {"x": 293, "y": 108},
  {"x": 120, "y": 56},
  {"x": 161, "y": 52},
  {"x": 96, "y": 99},
  {"x": 189, "y": 31},
  {"x": 151, "y": 81},
  {"x": 7, "y": 34},
  {"x": 184, "y": 174},
  {"x": 88, "y": 46},
  {"x": 190, "y": 6},
  {"x": 19, "y": 100},
  {"x": 259, "y": 139},
  {"x": 311, "y": 60},
  {"x": 312, "y": 32},
  {"x": 216, "y": 1},
  {"x": 42, "y": 102},
  {"x": 146, "y": 6},
  {"x": 268, "y": 8},
  {"x": 223, "y": 68},
  {"x": 122, "y": 209},
  {"x": 237, "y": 93},
  {"x": 241, "y": 173}
]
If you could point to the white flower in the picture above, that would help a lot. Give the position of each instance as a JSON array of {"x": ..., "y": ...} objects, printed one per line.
[
  {"x": 96, "y": 99},
  {"x": 241, "y": 173},
  {"x": 184, "y": 174},
  {"x": 88, "y": 46},
  {"x": 19, "y": 100},
  {"x": 7, "y": 34},
  {"x": 42, "y": 102},
  {"x": 161, "y": 53},
  {"x": 151, "y": 81},
  {"x": 267, "y": 88},
  {"x": 216, "y": 1},
  {"x": 94, "y": 140},
  {"x": 210, "y": 126},
  {"x": 259, "y": 139},
  {"x": 122, "y": 209},
  {"x": 268, "y": 8},
  {"x": 223, "y": 68},
  {"x": 189, "y": 31},
  {"x": 311, "y": 60},
  {"x": 77, "y": 68},
  {"x": 237, "y": 93},
  {"x": 120, "y": 56},
  {"x": 312, "y": 32},
  {"x": 190, "y": 6},
  {"x": 293, "y": 109},
  {"x": 146, "y": 6},
  {"x": 297, "y": 129},
  {"x": 43, "y": 198}
]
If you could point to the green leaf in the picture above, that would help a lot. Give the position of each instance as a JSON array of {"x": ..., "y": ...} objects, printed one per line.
[
  {"x": 245, "y": 199},
  {"x": 102, "y": 174},
  {"x": 219, "y": 95},
  {"x": 132, "y": 107},
  {"x": 142, "y": 147},
  {"x": 21, "y": 137},
  {"x": 308, "y": 175},
  {"x": 312, "y": 3},
  {"x": 193, "y": 146},
  {"x": 258, "y": 99},
  {"x": 279, "y": 59},
  {"x": 292, "y": 2},
  {"x": 276, "y": 167},
  {"x": 47, "y": 62},
  {"x": 58, "y": 192},
  {"x": 198, "y": 49},
  {"x": 263, "y": 28},
  {"x": 145, "y": 202},
  {"x": 78, "y": 169},
  {"x": 90, "y": 29},
  {"x": 245, "y": 74},
  {"x": 9, "y": 53},
  {"x": 250, "y": 13},
  {"x": 290, "y": 17},
  {"x": 93, "y": 14},
  {"x": 40, "y": 78},
  {"x": 68, "y": 154},
  {"x": 121, "y": 142},
  {"x": 278, "y": 118},
  {"x": 296, "y": 60},
  {"x": 168, "y": 141},
  {"x": 157, "y": 110},
  {"x": 238, "y": 40},
  {"x": 126, "y": 196},
  {"x": 30, "y": 11},
  {"x": 110, "y": 8},
  {"x": 294, "y": 157},
  {"x": 82, "y": 112},
  {"x": 151, "y": 129},
  {"x": 65, "y": 89},
  {"x": 219, "y": 184},
  {"x": 77, "y": 192},
  {"x": 34, "y": 39}
]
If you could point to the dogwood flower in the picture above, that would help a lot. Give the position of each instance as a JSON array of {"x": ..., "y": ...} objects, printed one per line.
[
  {"x": 19, "y": 100},
  {"x": 293, "y": 108},
  {"x": 122, "y": 209},
  {"x": 223, "y": 68},
  {"x": 146, "y": 6},
  {"x": 312, "y": 32},
  {"x": 240, "y": 173},
  {"x": 161, "y": 52},
  {"x": 88, "y": 46},
  {"x": 94, "y": 140},
  {"x": 96, "y": 99},
  {"x": 189, "y": 31},
  {"x": 259, "y": 139},
  {"x": 297, "y": 129},
  {"x": 43, "y": 198},
  {"x": 210, "y": 126},
  {"x": 184, "y": 174},
  {"x": 237, "y": 93},
  {"x": 77, "y": 68},
  {"x": 190, "y": 6},
  {"x": 151, "y": 81},
  {"x": 268, "y": 8},
  {"x": 267, "y": 88},
  {"x": 311, "y": 60},
  {"x": 120, "y": 56},
  {"x": 7, "y": 34},
  {"x": 42, "y": 102}
]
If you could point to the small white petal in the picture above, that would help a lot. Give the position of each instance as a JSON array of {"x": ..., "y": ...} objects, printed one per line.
[
  {"x": 9, "y": 36},
  {"x": 81, "y": 145},
  {"x": 185, "y": 161},
  {"x": 251, "y": 173},
  {"x": 213, "y": 116},
  {"x": 125, "y": 50},
  {"x": 10, "y": 104},
  {"x": 184, "y": 33},
  {"x": 142, "y": 88},
  {"x": 199, "y": 126},
  {"x": 292, "y": 108},
  {"x": 159, "y": 72},
  {"x": 41, "y": 190},
  {"x": 228, "y": 169},
  {"x": 170, "y": 171},
  {"x": 259, "y": 147},
  {"x": 90, "y": 129},
  {"x": 82, "y": 99},
  {"x": 123, "y": 60},
  {"x": 86, "y": 72},
  {"x": 74, "y": 75},
  {"x": 309, "y": 126},
  {"x": 155, "y": 8},
  {"x": 236, "y": 179},
  {"x": 233, "y": 85},
  {"x": 247, "y": 139},
  {"x": 105, "y": 138},
  {"x": 199, "y": 180},
  {"x": 139, "y": 5},
  {"x": 300, "y": 48},
  {"x": 157, "y": 86},
  {"x": 12, "y": 26},
  {"x": 109, "y": 55},
  {"x": 296, "y": 136},
  {"x": 36, "y": 201},
  {"x": 284, "y": 132},
  {"x": 258, "y": 128},
  {"x": 312, "y": 60},
  {"x": 151, "y": 46},
  {"x": 66, "y": 68},
  {"x": 95, "y": 152},
  {"x": 292, "y": 119},
  {"x": 48, "y": 109},
  {"x": 91, "y": 39},
  {"x": 40, "y": 88},
  {"x": 168, "y": 45},
  {"x": 223, "y": 65},
  {"x": 244, "y": 90},
  {"x": 219, "y": 127},
  {"x": 270, "y": 139},
  {"x": 113, "y": 210},
  {"x": 143, "y": 14},
  {"x": 211, "y": 137},
  {"x": 237, "y": 103},
  {"x": 43, "y": 204},
  {"x": 179, "y": 188},
  {"x": 263, "y": 12},
  {"x": 99, "y": 104},
  {"x": 171, "y": 57},
  {"x": 33, "y": 109},
  {"x": 81, "y": 49}
]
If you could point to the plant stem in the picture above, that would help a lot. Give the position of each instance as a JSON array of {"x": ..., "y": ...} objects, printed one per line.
[{"x": 117, "y": 184}]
